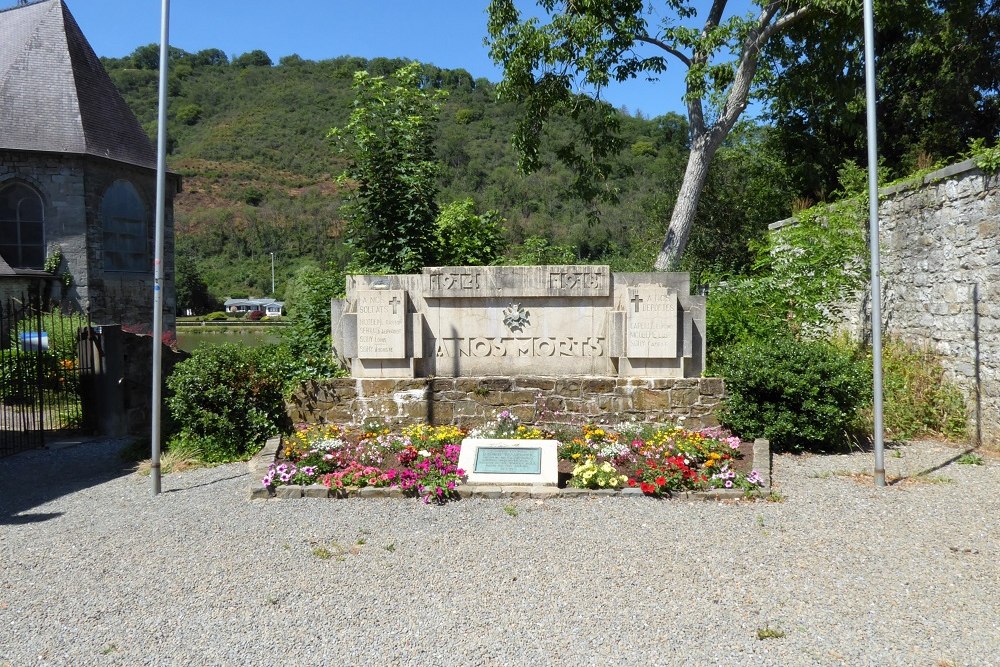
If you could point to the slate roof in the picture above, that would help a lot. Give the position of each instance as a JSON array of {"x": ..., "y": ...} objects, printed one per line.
[{"x": 55, "y": 95}]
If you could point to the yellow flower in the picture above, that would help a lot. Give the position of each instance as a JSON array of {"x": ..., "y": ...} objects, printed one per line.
[{"x": 576, "y": 456}]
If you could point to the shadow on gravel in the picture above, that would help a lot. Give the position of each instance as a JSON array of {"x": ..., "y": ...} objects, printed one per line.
[
  {"x": 214, "y": 481},
  {"x": 38, "y": 476},
  {"x": 933, "y": 469}
]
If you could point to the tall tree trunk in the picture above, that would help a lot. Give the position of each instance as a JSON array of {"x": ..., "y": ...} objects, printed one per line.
[{"x": 703, "y": 149}]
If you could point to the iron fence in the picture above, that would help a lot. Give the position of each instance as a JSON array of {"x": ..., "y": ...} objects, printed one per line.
[{"x": 40, "y": 371}]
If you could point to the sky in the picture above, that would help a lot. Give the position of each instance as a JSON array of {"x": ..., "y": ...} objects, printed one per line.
[{"x": 446, "y": 33}]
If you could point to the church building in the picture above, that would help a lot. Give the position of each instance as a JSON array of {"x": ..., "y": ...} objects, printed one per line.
[{"x": 77, "y": 175}]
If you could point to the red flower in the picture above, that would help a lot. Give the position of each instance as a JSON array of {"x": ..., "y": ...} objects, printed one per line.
[
  {"x": 647, "y": 488},
  {"x": 631, "y": 483},
  {"x": 661, "y": 481}
]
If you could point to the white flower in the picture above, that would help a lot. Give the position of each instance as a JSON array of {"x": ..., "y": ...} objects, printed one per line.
[{"x": 424, "y": 453}]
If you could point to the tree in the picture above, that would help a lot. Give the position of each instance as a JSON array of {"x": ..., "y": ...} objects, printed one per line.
[
  {"x": 255, "y": 58},
  {"x": 389, "y": 143},
  {"x": 590, "y": 42},
  {"x": 466, "y": 238},
  {"x": 937, "y": 82},
  {"x": 191, "y": 290}
]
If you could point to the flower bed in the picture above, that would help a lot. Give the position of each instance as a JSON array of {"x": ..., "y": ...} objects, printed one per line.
[{"x": 422, "y": 460}]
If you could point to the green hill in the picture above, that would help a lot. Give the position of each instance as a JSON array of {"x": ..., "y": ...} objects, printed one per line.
[{"x": 249, "y": 138}]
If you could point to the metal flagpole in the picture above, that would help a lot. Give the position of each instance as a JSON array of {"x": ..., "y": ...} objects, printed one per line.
[
  {"x": 161, "y": 191},
  {"x": 873, "y": 240}
]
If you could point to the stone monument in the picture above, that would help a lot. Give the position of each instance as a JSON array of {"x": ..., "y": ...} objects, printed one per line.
[
  {"x": 550, "y": 344},
  {"x": 564, "y": 321}
]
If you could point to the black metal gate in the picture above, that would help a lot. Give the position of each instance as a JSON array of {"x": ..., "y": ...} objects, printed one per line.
[{"x": 39, "y": 371}]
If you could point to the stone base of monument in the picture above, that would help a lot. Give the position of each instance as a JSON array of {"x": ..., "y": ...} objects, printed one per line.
[{"x": 688, "y": 402}]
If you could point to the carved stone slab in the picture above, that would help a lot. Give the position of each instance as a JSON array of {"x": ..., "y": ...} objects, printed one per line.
[
  {"x": 516, "y": 281},
  {"x": 651, "y": 323},
  {"x": 381, "y": 324}
]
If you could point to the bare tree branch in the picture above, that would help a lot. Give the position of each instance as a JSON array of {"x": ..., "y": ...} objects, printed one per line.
[{"x": 666, "y": 47}]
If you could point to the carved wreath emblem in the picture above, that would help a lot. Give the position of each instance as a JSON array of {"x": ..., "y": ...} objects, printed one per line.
[{"x": 516, "y": 317}]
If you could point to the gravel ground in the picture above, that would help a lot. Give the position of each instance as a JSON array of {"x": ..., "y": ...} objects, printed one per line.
[{"x": 95, "y": 571}]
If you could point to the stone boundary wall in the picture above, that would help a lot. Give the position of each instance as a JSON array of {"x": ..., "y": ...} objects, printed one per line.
[
  {"x": 940, "y": 258},
  {"x": 688, "y": 402}
]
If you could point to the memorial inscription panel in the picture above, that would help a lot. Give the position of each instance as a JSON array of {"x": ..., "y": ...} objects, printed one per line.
[
  {"x": 381, "y": 324},
  {"x": 508, "y": 460},
  {"x": 569, "y": 280},
  {"x": 651, "y": 323},
  {"x": 503, "y": 461}
]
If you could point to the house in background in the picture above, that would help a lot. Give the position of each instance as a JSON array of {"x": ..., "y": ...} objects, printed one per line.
[
  {"x": 270, "y": 307},
  {"x": 77, "y": 173}
]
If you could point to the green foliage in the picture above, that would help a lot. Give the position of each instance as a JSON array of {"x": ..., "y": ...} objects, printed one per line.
[
  {"x": 801, "y": 395},
  {"x": 228, "y": 399},
  {"x": 919, "y": 398},
  {"x": 465, "y": 238},
  {"x": 191, "y": 290},
  {"x": 584, "y": 46},
  {"x": 987, "y": 159},
  {"x": 189, "y": 114},
  {"x": 805, "y": 275},
  {"x": 308, "y": 303},
  {"x": 538, "y": 251},
  {"x": 389, "y": 141},
  {"x": 255, "y": 58},
  {"x": 262, "y": 132},
  {"x": 217, "y": 316},
  {"x": 936, "y": 78}
]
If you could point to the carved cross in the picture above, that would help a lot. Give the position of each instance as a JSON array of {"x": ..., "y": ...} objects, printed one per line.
[
  {"x": 636, "y": 300},
  {"x": 395, "y": 302}
]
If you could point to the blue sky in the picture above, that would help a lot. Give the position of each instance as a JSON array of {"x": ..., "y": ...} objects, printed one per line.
[{"x": 447, "y": 33}]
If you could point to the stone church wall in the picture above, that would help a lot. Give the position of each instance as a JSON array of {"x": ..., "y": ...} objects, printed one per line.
[{"x": 71, "y": 189}]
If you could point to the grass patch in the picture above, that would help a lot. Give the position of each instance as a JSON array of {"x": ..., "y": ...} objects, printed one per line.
[
  {"x": 510, "y": 510},
  {"x": 919, "y": 398},
  {"x": 970, "y": 459},
  {"x": 181, "y": 456},
  {"x": 322, "y": 553},
  {"x": 767, "y": 632}
]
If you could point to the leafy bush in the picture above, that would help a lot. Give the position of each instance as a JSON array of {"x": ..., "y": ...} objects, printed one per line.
[
  {"x": 228, "y": 399},
  {"x": 255, "y": 315},
  {"x": 919, "y": 400},
  {"x": 216, "y": 316},
  {"x": 801, "y": 395},
  {"x": 465, "y": 238},
  {"x": 308, "y": 302}
]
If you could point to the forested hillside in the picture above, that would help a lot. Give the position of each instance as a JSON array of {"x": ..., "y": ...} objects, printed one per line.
[
  {"x": 260, "y": 175},
  {"x": 249, "y": 138}
]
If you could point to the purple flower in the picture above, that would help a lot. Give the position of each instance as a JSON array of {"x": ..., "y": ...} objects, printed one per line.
[{"x": 729, "y": 483}]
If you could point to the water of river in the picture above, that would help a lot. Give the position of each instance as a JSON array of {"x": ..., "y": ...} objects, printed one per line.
[{"x": 188, "y": 338}]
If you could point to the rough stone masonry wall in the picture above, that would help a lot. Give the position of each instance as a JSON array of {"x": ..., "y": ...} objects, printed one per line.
[
  {"x": 940, "y": 260},
  {"x": 941, "y": 285},
  {"x": 690, "y": 402}
]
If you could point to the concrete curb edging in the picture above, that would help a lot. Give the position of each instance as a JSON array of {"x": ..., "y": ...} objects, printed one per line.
[{"x": 259, "y": 463}]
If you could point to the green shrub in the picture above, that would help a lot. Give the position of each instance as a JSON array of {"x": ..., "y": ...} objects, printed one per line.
[
  {"x": 919, "y": 400},
  {"x": 228, "y": 399},
  {"x": 216, "y": 316},
  {"x": 801, "y": 395}
]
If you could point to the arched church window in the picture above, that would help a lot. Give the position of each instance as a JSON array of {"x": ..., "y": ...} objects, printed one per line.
[
  {"x": 123, "y": 215},
  {"x": 22, "y": 241}
]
